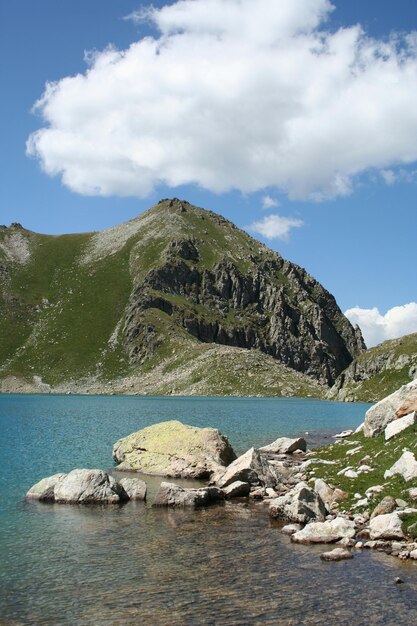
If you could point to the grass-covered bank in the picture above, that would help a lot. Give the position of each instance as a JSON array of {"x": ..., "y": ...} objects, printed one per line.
[{"x": 379, "y": 455}]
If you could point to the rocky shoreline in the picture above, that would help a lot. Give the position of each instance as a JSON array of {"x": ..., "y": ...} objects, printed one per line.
[{"x": 367, "y": 504}]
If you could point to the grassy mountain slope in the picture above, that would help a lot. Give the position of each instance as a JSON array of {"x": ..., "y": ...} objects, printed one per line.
[
  {"x": 379, "y": 371},
  {"x": 177, "y": 300}
]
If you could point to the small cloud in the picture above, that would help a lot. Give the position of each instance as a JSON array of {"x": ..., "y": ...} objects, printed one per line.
[
  {"x": 388, "y": 176},
  {"x": 275, "y": 226},
  {"x": 376, "y": 328},
  {"x": 268, "y": 202}
]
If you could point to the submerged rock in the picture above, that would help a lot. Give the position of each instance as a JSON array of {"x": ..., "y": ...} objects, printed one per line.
[
  {"x": 170, "y": 495},
  {"x": 285, "y": 445},
  {"x": 300, "y": 505},
  {"x": 338, "y": 554},
  {"x": 84, "y": 486},
  {"x": 44, "y": 489},
  {"x": 251, "y": 468},
  {"x": 174, "y": 449}
]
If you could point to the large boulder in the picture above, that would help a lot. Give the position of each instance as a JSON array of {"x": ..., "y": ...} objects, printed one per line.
[
  {"x": 83, "y": 486},
  {"x": 386, "y": 527},
  {"x": 406, "y": 466},
  {"x": 325, "y": 532},
  {"x": 174, "y": 449},
  {"x": 285, "y": 445},
  {"x": 394, "y": 406},
  {"x": 250, "y": 468},
  {"x": 300, "y": 505},
  {"x": 170, "y": 495},
  {"x": 387, "y": 505},
  {"x": 44, "y": 489}
]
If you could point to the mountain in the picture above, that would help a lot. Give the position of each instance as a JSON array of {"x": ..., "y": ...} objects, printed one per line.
[
  {"x": 177, "y": 300},
  {"x": 378, "y": 372}
]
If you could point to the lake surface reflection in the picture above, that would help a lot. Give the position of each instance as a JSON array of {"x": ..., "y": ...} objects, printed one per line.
[{"x": 133, "y": 564}]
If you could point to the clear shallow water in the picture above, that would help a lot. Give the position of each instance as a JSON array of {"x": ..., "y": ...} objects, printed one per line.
[{"x": 132, "y": 564}]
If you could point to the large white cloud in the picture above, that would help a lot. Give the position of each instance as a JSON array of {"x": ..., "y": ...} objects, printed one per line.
[
  {"x": 398, "y": 321},
  {"x": 234, "y": 94}
]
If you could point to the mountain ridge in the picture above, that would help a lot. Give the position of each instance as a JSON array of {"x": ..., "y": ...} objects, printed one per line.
[{"x": 177, "y": 279}]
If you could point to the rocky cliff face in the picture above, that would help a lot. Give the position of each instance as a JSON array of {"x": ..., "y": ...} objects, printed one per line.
[
  {"x": 259, "y": 302},
  {"x": 164, "y": 288}
]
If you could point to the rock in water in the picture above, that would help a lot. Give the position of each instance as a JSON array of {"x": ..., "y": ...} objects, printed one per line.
[
  {"x": 135, "y": 488},
  {"x": 83, "y": 486},
  {"x": 285, "y": 445},
  {"x": 170, "y": 495},
  {"x": 325, "y": 532},
  {"x": 174, "y": 449},
  {"x": 300, "y": 505},
  {"x": 238, "y": 489},
  {"x": 44, "y": 489},
  {"x": 249, "y": 468},
  {"x": 394, "y": 406},
  {"x": 338, "y": 554}
]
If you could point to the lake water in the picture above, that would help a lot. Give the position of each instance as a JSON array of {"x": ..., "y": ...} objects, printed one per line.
[{"x": 131, "y": 564}]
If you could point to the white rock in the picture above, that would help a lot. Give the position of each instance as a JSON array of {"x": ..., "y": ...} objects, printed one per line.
[
  {"x": 44, "y": 489},
  {"x": 413, "y": 554},
  {"x": 324, "y": 490},
  {"x": 290, "y": 529},
  {"x": 285, "y": 445},
  {"x": 325, "y": 532},
  {"x": 371, "y": 491},
  {"x": 388, "y": 409},
  {"x": 343, "y": 434},
  {"x": 351, "y": 474},
  {"x": 406, "y": 466},
  {"x": 362, "y": 502},
  {"x": 353, "y": 451},
  {"x": 345, "y": 469},
  {"x": 360, "y": 428},
  {"x": 413, "y": 493},
  {"x": 398, "y": 425},
  {"x": 364, "y": 469},
  {"x": 250, "y": 468},
  {"x": 386, "y": 526},
  {"x": 84, "y": 486},
  {"x": 300, "y": 505}
]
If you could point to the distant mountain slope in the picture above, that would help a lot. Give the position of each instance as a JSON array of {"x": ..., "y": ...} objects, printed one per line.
[
  {"x": 379, "y": 371},
  {"x": 159, "y": 292}
]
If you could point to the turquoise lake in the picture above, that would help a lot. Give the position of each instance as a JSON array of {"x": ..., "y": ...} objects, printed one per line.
[{"x": 131, "y": 564}]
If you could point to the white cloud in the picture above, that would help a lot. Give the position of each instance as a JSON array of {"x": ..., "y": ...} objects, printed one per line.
[
  {"x": 398, "y": 321},
  {"x": 234, "y": 94},
  {"x": 268, "y": 202},
  {"x": 400, "y": 175},
  {"x": 275, "y": 226}
]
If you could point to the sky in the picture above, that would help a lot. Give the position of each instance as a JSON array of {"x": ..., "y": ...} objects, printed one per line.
[{"x": 296, "y": 119}]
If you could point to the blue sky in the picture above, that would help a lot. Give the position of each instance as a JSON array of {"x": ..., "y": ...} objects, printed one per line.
[{"x": 351, "y": 220}]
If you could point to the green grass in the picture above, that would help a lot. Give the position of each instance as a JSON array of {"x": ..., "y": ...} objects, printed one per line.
[{"x": 382, "y": 456}]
